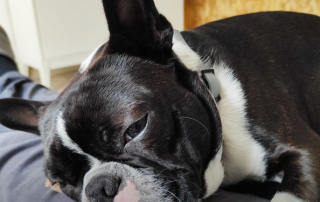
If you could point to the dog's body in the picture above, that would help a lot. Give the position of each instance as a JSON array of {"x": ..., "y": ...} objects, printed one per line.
[
  {"x": 269, "y": 105},
  {"x": 138, "y": 112}
]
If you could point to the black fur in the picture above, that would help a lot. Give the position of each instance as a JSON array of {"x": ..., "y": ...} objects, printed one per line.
[
  {"x": 275, "y": 56},
  {"x": 136, "y": 28}
]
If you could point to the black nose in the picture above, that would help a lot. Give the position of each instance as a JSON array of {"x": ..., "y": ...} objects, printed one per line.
[{"x": 102, "y": 188}]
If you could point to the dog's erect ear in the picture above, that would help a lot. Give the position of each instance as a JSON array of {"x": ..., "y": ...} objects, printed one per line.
[
  {"x": 21, "y": 114},
  {"x": 137, "y": 28}
]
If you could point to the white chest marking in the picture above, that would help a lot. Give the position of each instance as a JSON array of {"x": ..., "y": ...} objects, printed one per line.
[
  {"x": 85, "y": 64},
  {"x": 242, "y": 156},
  {"x": 214, "y": 174}
]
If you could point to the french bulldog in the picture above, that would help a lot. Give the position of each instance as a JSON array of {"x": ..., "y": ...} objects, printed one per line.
[{"x": 140, "y": 119}]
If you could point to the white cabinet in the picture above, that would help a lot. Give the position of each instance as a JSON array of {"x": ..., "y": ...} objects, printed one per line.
[{"x": 51, "y": 34}]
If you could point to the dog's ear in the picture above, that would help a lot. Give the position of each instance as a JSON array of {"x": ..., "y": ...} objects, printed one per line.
[
  {"x": 19, "y": 114},
  {"x": 137, "y": 28}
]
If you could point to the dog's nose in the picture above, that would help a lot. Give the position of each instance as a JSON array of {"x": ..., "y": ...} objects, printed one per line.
[{"x": 102, "y": 188}]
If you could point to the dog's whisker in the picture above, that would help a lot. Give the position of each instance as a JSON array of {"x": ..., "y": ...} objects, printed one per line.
[
  {"x": 185, "y": 117},
  {"x": 172, "y": 195},
  {"x": 161, "y": 172},
  {"x": 200, "y": 189}
]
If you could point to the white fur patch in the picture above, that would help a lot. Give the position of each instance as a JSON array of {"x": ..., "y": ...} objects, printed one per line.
[
  {"x": 286, "y": 197},
  {"x": 278, "y": 177},
  {"x": 186, "y": 55},
  {"x": 243, "y": 157},
  {"x": 214, "y": 174},
  {"x": 85, "y": 64},
  {"x": 69, "y": 143}
]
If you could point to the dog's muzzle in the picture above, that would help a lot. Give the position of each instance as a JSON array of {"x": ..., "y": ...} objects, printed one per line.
[{"x": 122, "y": 183}]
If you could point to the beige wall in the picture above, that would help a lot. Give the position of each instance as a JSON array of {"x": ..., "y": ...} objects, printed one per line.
[{"x": 198, "y": 12}]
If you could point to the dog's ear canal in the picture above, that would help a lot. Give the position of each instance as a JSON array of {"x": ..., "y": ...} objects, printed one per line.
[
  {"x": 137, "y": 28},
  {"x": 19, "y": 114}
]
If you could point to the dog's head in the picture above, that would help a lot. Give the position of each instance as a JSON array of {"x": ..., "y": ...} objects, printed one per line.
[{"x": 135, "y": 120}]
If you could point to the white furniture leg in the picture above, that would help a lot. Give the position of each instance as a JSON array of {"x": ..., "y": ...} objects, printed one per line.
[
  {"x": 23, "y": 68},
  {"x": 45, "y": 75}
]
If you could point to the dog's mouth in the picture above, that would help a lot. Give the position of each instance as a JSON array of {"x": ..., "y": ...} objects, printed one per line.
[{"x": 128, "y": 194}]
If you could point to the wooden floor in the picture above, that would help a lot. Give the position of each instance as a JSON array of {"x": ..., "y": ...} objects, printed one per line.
[{"x": 60, "y": 78}]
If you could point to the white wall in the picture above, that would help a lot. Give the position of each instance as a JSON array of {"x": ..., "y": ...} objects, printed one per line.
[
  {"x": 173, "y": 10},
  {"x": 56, "y": 29},
  {"x": 5, "y": 21}
]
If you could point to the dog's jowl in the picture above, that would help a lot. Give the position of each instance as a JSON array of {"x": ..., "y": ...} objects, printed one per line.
[{"x": 143, "y": 120}]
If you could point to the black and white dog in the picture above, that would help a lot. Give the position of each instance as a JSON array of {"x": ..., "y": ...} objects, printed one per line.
[{"x": 138, "y": 119}]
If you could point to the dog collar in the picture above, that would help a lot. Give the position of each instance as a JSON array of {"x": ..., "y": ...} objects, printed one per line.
[{"x": 207, "y": 74}]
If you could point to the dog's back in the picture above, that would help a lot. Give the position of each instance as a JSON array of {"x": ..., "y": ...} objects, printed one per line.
[
  {"x": 269, "y": 68},
  {"x": 276, "y": 57}
]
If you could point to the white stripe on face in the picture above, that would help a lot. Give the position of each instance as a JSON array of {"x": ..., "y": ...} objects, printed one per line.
[
  {"x": 85, "y": 64},
  {"x": 66, "y": 140},
  {"x": 69, "y": 143}
]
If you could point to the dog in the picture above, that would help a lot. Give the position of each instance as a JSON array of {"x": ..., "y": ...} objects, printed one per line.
[{"x": 159, "y": 115}]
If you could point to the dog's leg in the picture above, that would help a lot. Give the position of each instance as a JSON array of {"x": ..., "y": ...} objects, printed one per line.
[{"x": 300, "y": 165}]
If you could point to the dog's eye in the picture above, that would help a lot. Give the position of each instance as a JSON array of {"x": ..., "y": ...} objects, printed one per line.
[{"x": 135, "y": 129}]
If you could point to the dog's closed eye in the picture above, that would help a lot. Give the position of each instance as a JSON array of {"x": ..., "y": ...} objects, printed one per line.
[{"x": 135, "y": 129}]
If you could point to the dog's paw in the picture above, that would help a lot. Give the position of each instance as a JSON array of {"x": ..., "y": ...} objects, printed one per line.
[
  {"x": 54, "y": 187},
  {"x": 286, "y": 197}
]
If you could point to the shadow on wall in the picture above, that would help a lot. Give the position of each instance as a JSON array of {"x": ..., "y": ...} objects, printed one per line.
[{"x": 198, "y": 12}]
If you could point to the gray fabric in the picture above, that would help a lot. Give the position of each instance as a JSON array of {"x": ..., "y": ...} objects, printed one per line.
[
  {"x": 5, "y": 48},
  {"x": 21, "y": 154},
  {"x": 13, "y": 84}
]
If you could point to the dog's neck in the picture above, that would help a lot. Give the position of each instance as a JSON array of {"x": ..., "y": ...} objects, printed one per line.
[
  {"x": 232, "y": 113},
  {"x": 206, "y": 73},
  {"x": 215, "y": 173}
]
